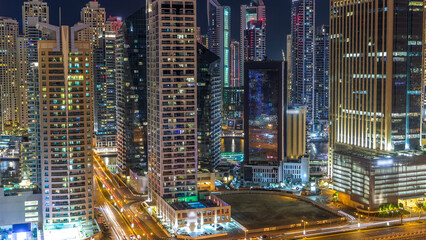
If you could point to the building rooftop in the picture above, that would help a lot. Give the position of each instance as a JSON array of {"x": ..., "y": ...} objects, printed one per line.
[{"x": 193, "y": 205}]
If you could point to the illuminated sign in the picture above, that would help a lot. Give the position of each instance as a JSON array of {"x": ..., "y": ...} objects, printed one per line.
[{"x": 385, "y": 162}]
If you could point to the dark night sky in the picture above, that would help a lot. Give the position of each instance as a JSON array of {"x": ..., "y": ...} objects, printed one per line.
[{"x": 277, "y": 12}]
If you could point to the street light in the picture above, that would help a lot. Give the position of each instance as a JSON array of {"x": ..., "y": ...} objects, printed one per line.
[
  {"x": 304, "y": 227},
  {"x": 368, "y": 212},
  {"x": 359, "y": 219}
]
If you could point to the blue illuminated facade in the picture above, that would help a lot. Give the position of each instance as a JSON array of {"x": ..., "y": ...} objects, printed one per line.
[{"x": 265, "y": 101}]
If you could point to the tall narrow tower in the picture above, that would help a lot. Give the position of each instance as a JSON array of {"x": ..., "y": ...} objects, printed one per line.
[
  {"x": 172, "y": 100},
  {"x": 322, "y": 57},
  {"x": 105, "y": 71},
  {"x": 172, "y": 117},
  {"x": 302, "y": 54},
  {"x": 252, "y": 22},
  {"x": 9, "y": 87},
  {"x": 131, "y": 89},
  {"x": 219, "y": 32},
  {"x": 66, "y": 119}
]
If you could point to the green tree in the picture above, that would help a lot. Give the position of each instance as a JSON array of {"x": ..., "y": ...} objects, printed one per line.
[
  {"x": 335, "y": 197},
  {"x": 420, "y": 208}
]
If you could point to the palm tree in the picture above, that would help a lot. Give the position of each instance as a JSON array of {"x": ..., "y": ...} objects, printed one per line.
[
  {"x": 401, "y": 212},
  {"x": 335, "y": 197},
  {"x": 420, "y": 208}
]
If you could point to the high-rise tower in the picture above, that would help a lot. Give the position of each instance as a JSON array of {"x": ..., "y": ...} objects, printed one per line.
[
  {"x": 302, "y": 54},
  {"x": 321, "y": 64},
  {"x": 104, "y": 59},
  {"x": 131, "y": 89},
  {"x": 288, "y": 59},
  {"x": 209, "y": 108},
  {"x": 33, "y": 12},
  {"x": 9, "y": 85},
  {"x": 95, "y": 16},
  {"x": 376, "y": 79},
  {"x": 252, "y": 22},
  {"x": 172, "y": 102},
  {"x": 172, "y": 117},
  {"x": 219, "y": 32},
  {"x": 66, "y": 126}
]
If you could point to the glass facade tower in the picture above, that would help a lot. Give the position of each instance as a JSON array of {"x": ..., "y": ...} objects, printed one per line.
[
  {"x": 131, "y": 87},
  {"x": 302, "y": 55},
  {"x": 376, "y": 79},
  {"x": 265, "y": 103}
]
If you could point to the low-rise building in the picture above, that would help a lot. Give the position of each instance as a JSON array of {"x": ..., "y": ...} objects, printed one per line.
[
  {"x": 20, "y": 206},
  {"x": 296, "y": 170},
  {"x": 193, "y": 215},
  {"x": 262, "y": 173},
  {"x": 206, "y": 180}
]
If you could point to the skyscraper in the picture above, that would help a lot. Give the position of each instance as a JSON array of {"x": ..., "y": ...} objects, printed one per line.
[
  {"x": 235, "y": 95},
  {"x": 321, "y": 76},
  {"x": 376, "y": 82},
  {"x": 235, "y": 64},
  {"x": 302, "y": 54},
  {"x": 209, "y": 108},
  {"x": 289, "y": 65},
  {"x": 22, "y": 65},
  {"x": 172, "y": 108},
  {"x": 34, "y": 11},
  {"x": 9, "y": 85},
  {"x": 255, "y": 13},
  {"x": 219, "y": 32},
  {"x": 66, "y": 127},
  {"x": 255, "y": 41},
  {"x": 104, "y": 59},
  {"x": 265, "y": 102},
  {"x": 172, "y": 117},
  {"x": 31, "y": 163},
  {"x": 131, "y": 89},
  {"x": 94, "y": 15}
]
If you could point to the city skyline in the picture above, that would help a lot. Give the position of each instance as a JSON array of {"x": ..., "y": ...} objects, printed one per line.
[
  {"x": 153, "y": 119},
  {"x": 279, "y": 12}
]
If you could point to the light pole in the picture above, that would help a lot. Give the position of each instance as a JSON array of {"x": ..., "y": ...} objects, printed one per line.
[
  {"x": 359, "y": 220},
  {"x": 245, "y": 234},
  {"x": 304, "y": 227},
  {"x": 368, "y": 213}
]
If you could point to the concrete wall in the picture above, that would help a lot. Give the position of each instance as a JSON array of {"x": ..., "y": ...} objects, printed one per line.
[{"x": 13, "y": 208}]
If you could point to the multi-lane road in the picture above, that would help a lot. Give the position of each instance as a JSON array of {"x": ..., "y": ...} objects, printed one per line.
[
  {"x": 121, "y": 208},
  {"x": 125, "y": 205}
]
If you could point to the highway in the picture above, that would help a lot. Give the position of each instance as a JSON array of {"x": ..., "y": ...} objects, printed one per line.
[
  {"x": 128, "y": 212},
  {"x": 406, "y": 231},
  {"x": 128, "y": 203}
]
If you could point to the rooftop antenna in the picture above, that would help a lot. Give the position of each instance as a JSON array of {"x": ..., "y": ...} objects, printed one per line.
[{"x": 60, "y": 17}]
